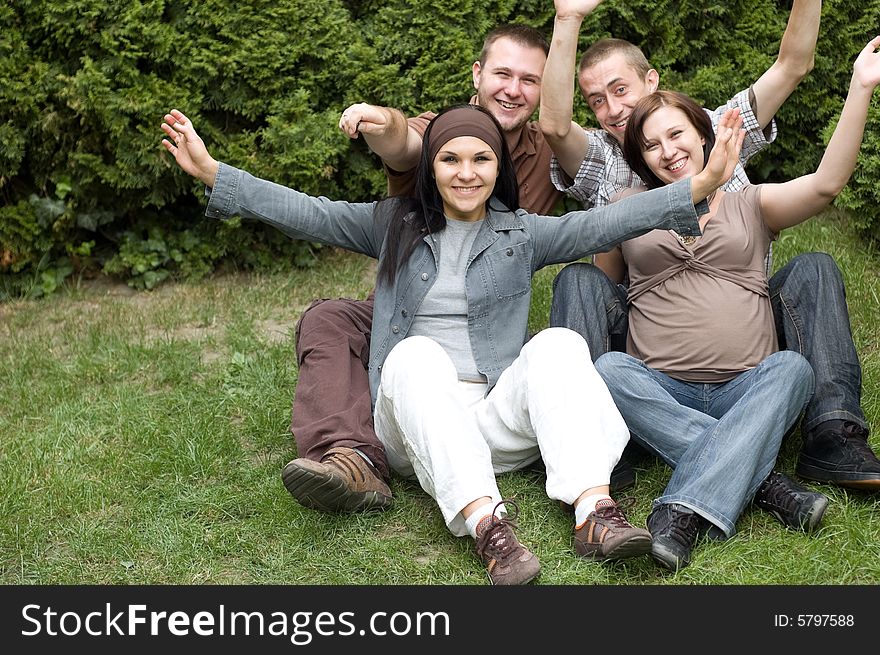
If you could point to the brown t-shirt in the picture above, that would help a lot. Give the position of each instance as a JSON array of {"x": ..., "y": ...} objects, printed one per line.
[
  {"x": 531, "y": 158},
  {"x": 702, "y": 313}
]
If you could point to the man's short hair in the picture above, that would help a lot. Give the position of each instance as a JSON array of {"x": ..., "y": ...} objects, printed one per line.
[
  {"x": 522, "y": 35},
  {"x": 605, "y": 48}
]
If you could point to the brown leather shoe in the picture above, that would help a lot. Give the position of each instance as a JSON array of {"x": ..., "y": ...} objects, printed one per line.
[
  {"x": 342, "y": 481},
  {"x": 507, "y": 560},
  {"x": 607, "y": 535}
]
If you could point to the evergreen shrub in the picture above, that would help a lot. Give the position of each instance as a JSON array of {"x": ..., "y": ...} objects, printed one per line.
[{"x": 86, "y": 187}]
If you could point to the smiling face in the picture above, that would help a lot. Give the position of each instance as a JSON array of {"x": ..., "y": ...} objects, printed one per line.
[
  {"x": 508, "y": 83},
  {"x": 612, "y": 87},
  {"x": 465, "y": 170},
  {"x": 672, "y": 146}
]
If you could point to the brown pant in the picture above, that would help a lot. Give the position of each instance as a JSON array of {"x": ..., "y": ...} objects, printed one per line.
[{"x": 331, "y": 404}]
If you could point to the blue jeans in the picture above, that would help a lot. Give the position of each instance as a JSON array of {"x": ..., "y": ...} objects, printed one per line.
[
  {"x": 722, "y": 439},
  {"x": 587, "y": 301},
  {"x": 809, "y": 307}
]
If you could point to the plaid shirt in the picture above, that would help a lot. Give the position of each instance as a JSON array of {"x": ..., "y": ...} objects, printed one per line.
[{"x": 604, "y": 172}]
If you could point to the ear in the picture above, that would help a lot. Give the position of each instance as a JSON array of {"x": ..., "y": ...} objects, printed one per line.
[
  {"x": 652, "y": 80},
  {"x": 477, "y": 70}
]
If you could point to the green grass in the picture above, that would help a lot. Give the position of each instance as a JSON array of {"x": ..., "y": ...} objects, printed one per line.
[{"x": 143, "y": 436}]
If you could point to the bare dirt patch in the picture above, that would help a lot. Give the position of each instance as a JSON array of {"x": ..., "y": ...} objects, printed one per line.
[{"x": 274, "y": 331}]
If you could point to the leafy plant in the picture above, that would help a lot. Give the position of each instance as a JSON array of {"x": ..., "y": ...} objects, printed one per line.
[{"x": 84, "y": 85}]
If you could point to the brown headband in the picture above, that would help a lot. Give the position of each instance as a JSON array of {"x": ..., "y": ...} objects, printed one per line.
[{"x": 463, "y": 121}]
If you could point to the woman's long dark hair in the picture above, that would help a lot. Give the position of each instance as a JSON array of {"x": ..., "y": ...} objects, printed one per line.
[
  {"x": 634, "y": 137},
  {"x": 423, "y": 211}
]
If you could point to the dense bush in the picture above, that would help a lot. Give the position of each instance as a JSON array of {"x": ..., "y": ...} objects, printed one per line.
[{"x": 85, "y": 185}]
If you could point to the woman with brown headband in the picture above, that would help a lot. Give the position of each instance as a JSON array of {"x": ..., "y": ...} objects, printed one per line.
[{"x": 459, "y": 394}]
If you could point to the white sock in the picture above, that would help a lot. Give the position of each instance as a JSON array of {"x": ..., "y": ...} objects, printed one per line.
[
  {"x": 474, "y": 519},
  {"x": 587, "y": 506}
]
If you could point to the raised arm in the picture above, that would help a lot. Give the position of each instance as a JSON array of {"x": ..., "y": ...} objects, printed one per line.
[
  {"x": 188, "y": 148},
  {"x": 796, "y": 56},
  {"x": 386, "y": 132},
  {"x": 566, "y": 138},
  {"x": 793, "y": 202}
]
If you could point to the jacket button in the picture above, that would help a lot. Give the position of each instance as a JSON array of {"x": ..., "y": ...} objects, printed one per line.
[
  {"x": 395, "y": 329},
  {"x": 424, "y": 276},
  {"x": 509, "y": 252},
  {"x": 404, "y": 313}
]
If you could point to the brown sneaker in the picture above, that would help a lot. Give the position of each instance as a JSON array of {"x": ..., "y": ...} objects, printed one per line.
[
  {"x": 607, "y": 535},
  {"x": 508, "y": 561},
  {"x": 342, "y": 481}
]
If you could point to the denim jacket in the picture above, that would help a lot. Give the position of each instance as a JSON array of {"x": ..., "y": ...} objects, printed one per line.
[{"x": 510, "y": 246}]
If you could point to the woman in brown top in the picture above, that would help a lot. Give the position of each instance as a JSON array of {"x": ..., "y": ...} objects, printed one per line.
[{"x": 702, "y": 384}]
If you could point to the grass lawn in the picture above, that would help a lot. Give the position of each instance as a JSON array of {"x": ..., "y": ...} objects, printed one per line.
[{"x": 143, "y": 435}]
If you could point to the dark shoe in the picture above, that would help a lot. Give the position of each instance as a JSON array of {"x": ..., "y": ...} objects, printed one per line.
[
  {"x": 674, "y": 531},
  {"x": 838, "y": 452},
  {"x": 342, "y": 481},
  {"x": 796, "y": 506},
  {"x": 607, "y": 535},
  {"x": 507, "y": 560},
  {"x": 622, "y": 476}
]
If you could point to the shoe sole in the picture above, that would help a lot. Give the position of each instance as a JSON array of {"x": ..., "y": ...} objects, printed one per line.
[
  {"x": 515, "y": 583},
  {"x": 812, "y": 519},
  {"x": 316, "y": 489},
  {"x": 667, "y": 559},
  {"x": 864, "y": 481},
  {"x": 632, "y": 547},
  {"x": 528, "y": 580}
]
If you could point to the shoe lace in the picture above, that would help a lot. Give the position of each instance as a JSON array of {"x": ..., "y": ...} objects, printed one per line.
[
  {"x": 857, "y": 437},
  {"x": 684, "y": 526},
  {"x": 497, "y": 541},
  {"x": 614, "y": 513},
  {"x": 777, "y": 494}
]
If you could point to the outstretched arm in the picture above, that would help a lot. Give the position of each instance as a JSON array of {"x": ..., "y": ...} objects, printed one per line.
[
  {"x": 188, "y": 148},
  {"x": 612, "y": 263},
  {"x": 793, "y": 202},
  {"x": 237, "y": 193},
  {"x": 386, "y": 132},
  {"x": 566, "y": 138},
  {"x": 796, "y": 56}
]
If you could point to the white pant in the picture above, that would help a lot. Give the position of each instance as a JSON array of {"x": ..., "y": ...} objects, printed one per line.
[{"x": 549, "y": 403}]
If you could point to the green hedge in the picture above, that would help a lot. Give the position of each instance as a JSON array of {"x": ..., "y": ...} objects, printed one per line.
[{"x": 85, "y": 185}]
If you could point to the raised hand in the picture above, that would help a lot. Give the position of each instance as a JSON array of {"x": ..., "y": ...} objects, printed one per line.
[
  {"x": 866, "y": 69},
  {"x": 728, "y": 143},
  {"x": 724, "y": 155},
  {"x": 579, "y": 8},
  {"x": 188, "y": 148},
  {"x": 362, "y": 118}
]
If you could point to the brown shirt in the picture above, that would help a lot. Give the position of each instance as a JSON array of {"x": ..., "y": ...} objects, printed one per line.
[
  {"x": 531, "y": 158},
  {"x": 702, "y": 313}
]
